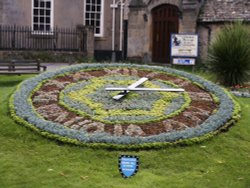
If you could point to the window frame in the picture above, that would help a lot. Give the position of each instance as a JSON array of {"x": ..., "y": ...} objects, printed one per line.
[
  {"x": 101, "y": 19},
  {"x": 43, "y": 32}
]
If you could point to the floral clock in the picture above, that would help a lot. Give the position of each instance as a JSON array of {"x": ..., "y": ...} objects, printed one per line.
[{"x": 72, "y": 105}]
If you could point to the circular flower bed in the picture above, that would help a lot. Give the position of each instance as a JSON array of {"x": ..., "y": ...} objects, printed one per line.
[{"x": 71, "y": 105}]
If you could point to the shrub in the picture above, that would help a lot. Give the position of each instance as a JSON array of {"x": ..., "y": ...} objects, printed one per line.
[{"x": 229, "y": 54}]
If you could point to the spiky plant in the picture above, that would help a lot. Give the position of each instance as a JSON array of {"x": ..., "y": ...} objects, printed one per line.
[{"x": 229, "y": 54}]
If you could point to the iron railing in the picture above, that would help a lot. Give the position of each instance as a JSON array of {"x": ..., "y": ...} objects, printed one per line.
[{"x": 24, "y": 38}]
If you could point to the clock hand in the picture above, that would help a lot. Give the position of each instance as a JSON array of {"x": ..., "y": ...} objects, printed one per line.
[
  {"x": 126, "y": 90},
  {"x": 133, "y": 87},
  {"x": 144, "y": 89}
]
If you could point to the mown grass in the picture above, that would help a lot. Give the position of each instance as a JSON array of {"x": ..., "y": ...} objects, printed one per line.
[{"x": 29, "y": 160}]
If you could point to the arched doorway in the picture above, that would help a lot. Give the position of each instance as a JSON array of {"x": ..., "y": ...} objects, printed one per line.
[{"x": 165, "y": 20}]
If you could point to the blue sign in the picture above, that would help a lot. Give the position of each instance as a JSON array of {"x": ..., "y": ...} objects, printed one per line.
[
  {"x": 128, "y": 165},
  {"x": 183, "y": 61}
]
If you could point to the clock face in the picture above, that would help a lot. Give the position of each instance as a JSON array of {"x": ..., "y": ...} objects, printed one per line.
[
  {"x": 91, "y": 100},
  {"x": 75, "y": 104}
]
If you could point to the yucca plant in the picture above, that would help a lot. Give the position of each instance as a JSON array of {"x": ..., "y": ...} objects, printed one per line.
[{"x": 229, "y": 54}]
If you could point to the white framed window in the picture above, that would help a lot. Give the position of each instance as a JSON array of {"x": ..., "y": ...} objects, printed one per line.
[
  {"x": 93, "y": 15},
  {"x": 42, "y": 16}
]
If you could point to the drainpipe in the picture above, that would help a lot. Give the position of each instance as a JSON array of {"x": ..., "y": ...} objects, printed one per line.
[
  {"x": 113, "y": 6},
  {"x": 121, "y": 25}
]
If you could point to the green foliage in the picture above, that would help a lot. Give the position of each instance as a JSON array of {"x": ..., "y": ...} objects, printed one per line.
[{"x": 229, "y": 54}]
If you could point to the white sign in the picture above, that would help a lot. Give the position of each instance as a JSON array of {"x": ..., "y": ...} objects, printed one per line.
[
  {"x": 183, "y": 61},
  {"x": 184, "y": 45}
]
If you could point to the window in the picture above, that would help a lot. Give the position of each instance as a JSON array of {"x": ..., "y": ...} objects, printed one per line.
[
  {"x": 94, "y": 15},
  {"x": 42, "y": 15}
]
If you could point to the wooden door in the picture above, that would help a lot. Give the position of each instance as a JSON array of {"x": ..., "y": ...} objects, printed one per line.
[{"x": 165, "y": 21}]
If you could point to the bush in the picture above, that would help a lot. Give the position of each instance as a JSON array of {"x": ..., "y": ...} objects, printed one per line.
[{"x": 229, "y": 55}]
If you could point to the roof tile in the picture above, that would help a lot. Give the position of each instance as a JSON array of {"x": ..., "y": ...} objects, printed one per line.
[{"x": 225, "y": 10}]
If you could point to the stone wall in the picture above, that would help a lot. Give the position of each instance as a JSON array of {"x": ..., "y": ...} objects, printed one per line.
[
  {"x": 16, "y": 12},
  {"x": 155, "y": 3},
  {"x": 19, "y": 12},
  {"x": 189, "y": 17},
  {"x": 1, "y": 12},
  {"x": 87, "y": 40},
  {"x": 45, "y": 56},
  {"x": 138, "y": 35},
  {"x": 86, "y": 49},
  {"x": 65, "y": 14},
  {"x": 207, "y": 33},
  {"x": 68, "y": 14}
]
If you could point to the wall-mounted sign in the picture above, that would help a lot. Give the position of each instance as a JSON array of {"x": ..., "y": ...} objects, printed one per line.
[
  {"x": 183, "y": 61},
  {"x": 128, "y": 165},
  {"x": 184, "y": 45}
]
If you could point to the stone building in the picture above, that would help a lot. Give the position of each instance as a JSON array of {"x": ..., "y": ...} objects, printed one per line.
[
  {"x": 214, "y": 14},
  {"x": 151, "y": 22},
  {"x": 133, "y": 29},
  {"x": 45, "y": 15}
]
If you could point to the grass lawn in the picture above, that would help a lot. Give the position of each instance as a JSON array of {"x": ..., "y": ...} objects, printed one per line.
[{"x": 29, "y": 160}]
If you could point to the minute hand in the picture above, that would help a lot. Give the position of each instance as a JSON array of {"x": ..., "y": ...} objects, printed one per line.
[{"x": 144, "y": 89}]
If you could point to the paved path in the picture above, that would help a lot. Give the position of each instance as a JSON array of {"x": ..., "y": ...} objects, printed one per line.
[{"x": 54, "y": 66}]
